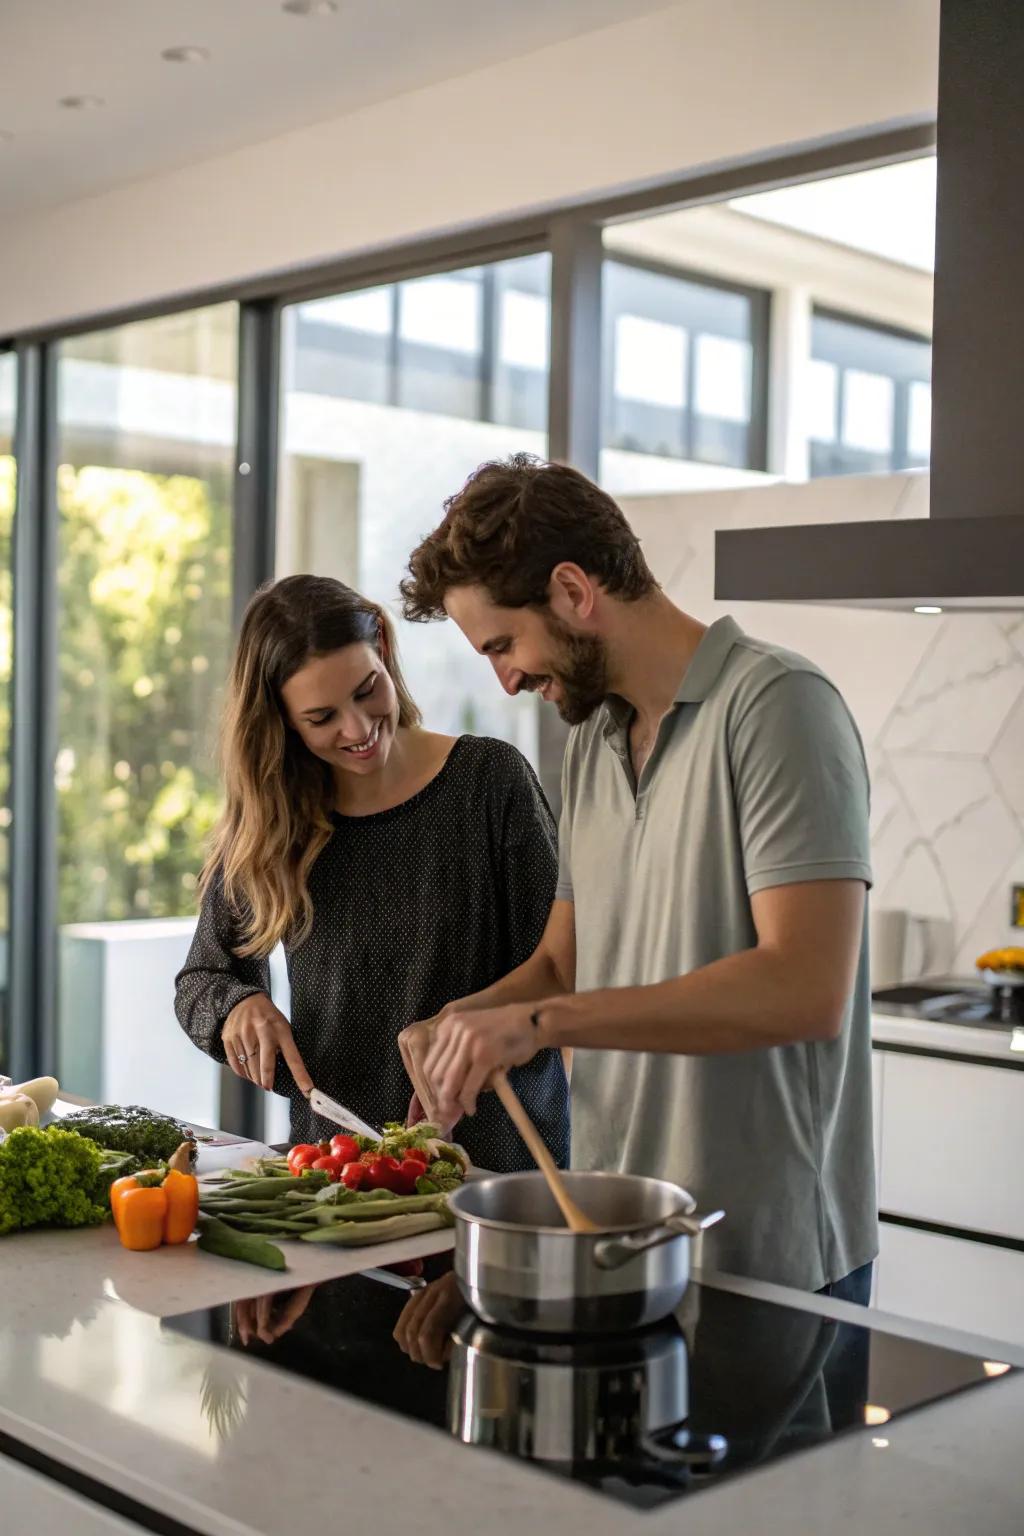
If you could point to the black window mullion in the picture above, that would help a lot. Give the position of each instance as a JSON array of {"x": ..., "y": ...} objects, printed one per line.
[
  {"x": 254, "y": 524},
  {"x": 900, "y": 455},
  {"x": 394, "y": 344},
  {"x": 690, "y": 391},
  {"x": 574, "y": 406},
  {"x": 489, "y": 323},
  {"x": 32, "y": 993},
  {"x": 760, "y": 394}
]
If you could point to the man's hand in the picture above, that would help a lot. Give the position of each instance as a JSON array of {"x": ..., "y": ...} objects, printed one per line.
[
  {"x": 268, "y": 1317},
  {"x": 468, "y": 1047},
  {"x": 424, "y": 1328},
  {"x": 254, "y": 1033}
]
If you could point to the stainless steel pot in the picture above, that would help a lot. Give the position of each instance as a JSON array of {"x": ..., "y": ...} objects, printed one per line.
[{"x": 519, "y": 1266}]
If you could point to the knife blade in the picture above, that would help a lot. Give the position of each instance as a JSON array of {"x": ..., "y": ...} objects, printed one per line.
[{"x": 320, "y": 1104}]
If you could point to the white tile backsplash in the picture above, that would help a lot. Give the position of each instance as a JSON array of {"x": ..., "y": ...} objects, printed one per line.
[{"x": 939, "y": 701}]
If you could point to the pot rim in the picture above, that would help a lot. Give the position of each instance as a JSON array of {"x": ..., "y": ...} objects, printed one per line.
[{"x": 686, "y": 1208}]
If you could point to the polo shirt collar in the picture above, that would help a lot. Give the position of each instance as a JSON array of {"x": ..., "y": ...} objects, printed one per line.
[
  {"x": 698, "y": 680},
  {"x": 708, "y": 660}
]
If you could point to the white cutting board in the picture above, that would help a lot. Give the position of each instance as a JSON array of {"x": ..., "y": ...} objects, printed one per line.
[{"x": 84, "y": 1266}]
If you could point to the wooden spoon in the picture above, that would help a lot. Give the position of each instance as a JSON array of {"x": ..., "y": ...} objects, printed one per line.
[{"x": 576, "y": 1220}]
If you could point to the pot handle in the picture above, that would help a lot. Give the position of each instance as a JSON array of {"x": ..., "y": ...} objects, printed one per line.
[{"x": 613, "y": 1252}]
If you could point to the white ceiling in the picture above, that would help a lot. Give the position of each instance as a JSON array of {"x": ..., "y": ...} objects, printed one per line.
[{"x": 268, "y": 72}]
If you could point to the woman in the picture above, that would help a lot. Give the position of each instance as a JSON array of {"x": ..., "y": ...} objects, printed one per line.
[{"x": 399, "y": 868}]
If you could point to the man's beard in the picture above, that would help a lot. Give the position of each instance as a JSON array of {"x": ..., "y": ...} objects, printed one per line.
[{"x": 580, "y": 668}]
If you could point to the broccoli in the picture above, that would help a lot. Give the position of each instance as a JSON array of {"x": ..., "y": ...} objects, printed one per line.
[
  {"x": 149, "y": 1136},
  {"x": 50, "y": 1178},
  {"x": 443, "y": 1175}
]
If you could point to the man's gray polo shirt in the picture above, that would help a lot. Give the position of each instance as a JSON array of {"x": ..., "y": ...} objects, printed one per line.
[{"x": 757, "y": 778}]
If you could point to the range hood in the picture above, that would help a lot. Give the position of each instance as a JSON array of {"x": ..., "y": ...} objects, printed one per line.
[{"x": 969, "y": 552}]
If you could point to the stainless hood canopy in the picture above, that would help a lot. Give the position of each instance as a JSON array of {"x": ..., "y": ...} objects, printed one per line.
[{"x": 969, "y": 553}]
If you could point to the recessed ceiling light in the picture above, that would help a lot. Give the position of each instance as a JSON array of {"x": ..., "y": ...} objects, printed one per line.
[
  {"x": 81, "y": 103},
  {"x": 186, "y": 55},
  {"x": 310, "y": 7},
  {"x": 927, "y": 608}
]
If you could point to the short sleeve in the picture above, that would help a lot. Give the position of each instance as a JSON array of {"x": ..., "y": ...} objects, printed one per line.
[{"x": 801, "y": 785}]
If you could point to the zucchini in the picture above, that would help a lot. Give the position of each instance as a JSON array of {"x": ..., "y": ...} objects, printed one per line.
[{"x": 227, "y": 1243}]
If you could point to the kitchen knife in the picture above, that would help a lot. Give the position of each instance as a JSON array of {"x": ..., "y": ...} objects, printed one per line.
[{"x": 322, "y": 1105}]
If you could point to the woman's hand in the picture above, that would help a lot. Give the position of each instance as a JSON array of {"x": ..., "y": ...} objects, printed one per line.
[
  {"x": 254, "y": 1033},
  {"x": 424, "y": 1329},
  {"x": 414, "y": 1044}
]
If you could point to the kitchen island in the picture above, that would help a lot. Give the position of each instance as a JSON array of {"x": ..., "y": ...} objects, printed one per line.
[{"x": 140, "y": 1424}]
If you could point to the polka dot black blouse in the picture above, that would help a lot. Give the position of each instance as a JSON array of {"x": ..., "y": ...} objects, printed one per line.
[{"x": 413, "y": 907}]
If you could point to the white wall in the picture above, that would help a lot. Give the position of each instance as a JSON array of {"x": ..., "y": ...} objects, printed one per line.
[
  {"x": 940, "y": 704},
  {"x": 692, "y": 85}
]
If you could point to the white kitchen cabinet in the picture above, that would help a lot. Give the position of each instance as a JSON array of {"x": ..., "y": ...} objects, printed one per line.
[
  {"x": 877, "y": 1102},
  {"x": 952, "y": 1143},
  {"x": 952, "y": 1282}
]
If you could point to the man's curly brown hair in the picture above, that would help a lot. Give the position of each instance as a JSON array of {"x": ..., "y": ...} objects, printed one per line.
[{"x": 512, "y": 522}]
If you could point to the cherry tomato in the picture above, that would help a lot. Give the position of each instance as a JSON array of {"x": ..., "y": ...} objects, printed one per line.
[
  {"x": 353, "y": 1175},
  {"x": 409, "y": 1171},
  {"x": 385, "y": 1173},
  {"x": 302, "y": 1156},
  {"x": 346, "y": 1147},
  {"x": 332, "y": 1166},
  {"x": 420, "y": 1154}
]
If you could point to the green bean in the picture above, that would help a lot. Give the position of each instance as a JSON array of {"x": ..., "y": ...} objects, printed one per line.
[{"x": 352, "y": 1234}]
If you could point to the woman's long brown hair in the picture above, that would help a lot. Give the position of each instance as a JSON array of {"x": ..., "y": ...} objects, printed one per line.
[{"x": 279, "y": 797}]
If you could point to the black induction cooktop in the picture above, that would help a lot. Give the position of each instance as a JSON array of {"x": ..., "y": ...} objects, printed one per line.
[{"x": 729, "y": 1384}]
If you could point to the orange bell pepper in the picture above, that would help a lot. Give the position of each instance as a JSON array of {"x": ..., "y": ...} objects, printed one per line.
[
  {"x": 140, "y": 1213},
  {"x": 182, "y": 1191},
  {"x": 153, "y": 1207}
]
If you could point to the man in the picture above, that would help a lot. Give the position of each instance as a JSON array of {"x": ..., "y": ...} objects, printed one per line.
[{"x": 705, "y": 958}]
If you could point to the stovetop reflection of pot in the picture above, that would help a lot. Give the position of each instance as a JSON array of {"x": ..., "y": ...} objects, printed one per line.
[{"x": 612, "y": 1403}]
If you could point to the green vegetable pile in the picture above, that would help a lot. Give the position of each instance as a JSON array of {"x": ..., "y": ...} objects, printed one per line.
[
  {"x": 54, "y": 1178},
  {"x": 148, "y": 1136},
  {"x": 439, "y": 1178},
  {"x": 274, "y": 1203}
]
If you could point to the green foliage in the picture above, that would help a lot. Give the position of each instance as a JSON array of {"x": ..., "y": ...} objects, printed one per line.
[{"x": 145, "y": 614}]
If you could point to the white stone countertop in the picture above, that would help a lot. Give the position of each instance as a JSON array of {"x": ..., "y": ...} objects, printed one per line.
[
  {"x": 230, "y": 1446},
  {"x": 931, "y": 1036}
]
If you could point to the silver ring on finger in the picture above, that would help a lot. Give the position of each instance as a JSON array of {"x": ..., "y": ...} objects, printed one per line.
[{"x": 241, "y": 1056}]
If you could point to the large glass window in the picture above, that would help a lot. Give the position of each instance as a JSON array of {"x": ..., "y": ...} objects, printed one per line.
[
  {"x": 392, "y": 397},
  {"x": 146, "y": 416},
  {"x": 679, "y": 374},
  {"x": 8, "y": 370},
  {"x": 841, "y": 270},
  {"x": 870, "y": 398}
]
